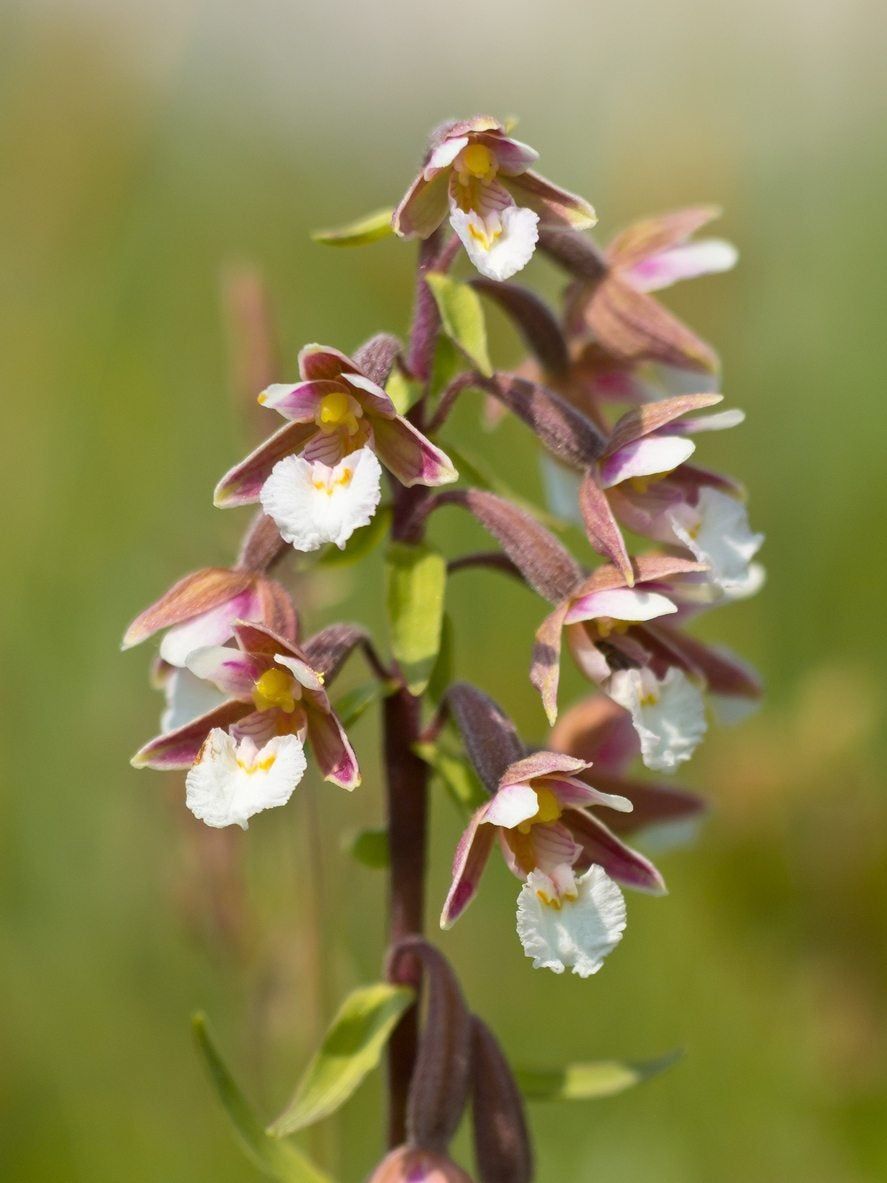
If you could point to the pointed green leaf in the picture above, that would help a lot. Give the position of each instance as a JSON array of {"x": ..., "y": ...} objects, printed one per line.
[
  {"x": 456, "y": 774},
  {"x": 442, "y": 674},
  {"x": 368, "y": 229},
  {"x": 463, "y": 318},
  {"x": 350, "y": 1050},
  {"x": 416, "y": 582},
  {"x": 448, "y": 361},
  {"x": 584, "y": 1082},
  {"x": 369, "y": 847},
  {"x": 278, "y": 1160}
]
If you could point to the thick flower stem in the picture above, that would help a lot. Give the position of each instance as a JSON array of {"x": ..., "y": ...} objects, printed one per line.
[
  {"x": 426, "y": 320},
  {"x": 407, "y": 818}
]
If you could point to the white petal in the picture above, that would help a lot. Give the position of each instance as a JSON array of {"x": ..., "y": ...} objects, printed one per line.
[
  {"x": 668, "y": 715},
  {"x": 512, "y": 805},
  {"x": 444, "y": 155},
  {"x": 501, "y": 244},
  {"x": 313, "y": 504},
  {"x": 620, "y": 603},
  {"x": 721, "y": 537},
  {"x": 209, "y": 628},
  {"x": 579, "y": 933},
  {"x": 231, "y": 781},
  {"x": 187, "y": 697},
  {"x": 650, "y": 456},
  {"x": 708, "y": 256}
]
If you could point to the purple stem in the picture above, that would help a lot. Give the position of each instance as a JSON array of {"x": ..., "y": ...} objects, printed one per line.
[{"x": 426, "y": 319}]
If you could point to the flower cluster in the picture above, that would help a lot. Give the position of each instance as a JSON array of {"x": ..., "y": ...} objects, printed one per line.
[{"x": 616, "y": 392}]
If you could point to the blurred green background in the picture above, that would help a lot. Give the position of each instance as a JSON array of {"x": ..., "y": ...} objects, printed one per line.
[{"x": 146, "y": 147}]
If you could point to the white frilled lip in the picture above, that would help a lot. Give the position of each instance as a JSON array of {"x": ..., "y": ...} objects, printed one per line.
[
  {"x": 668, "y": 714},
  {"x": 314, "y": 504},
  {"x": 579, "y": 933},
  {"x": 233, "y": 780}
]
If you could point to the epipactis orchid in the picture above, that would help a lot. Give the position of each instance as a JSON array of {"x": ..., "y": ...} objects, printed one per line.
[
  {"x": 570, "y": 911},
  {"x": 606, "y": 629},
  {"x": 480, "y": 176},
  {"x": 319, "y": 477},
  {"x": 242, "y": 754}
]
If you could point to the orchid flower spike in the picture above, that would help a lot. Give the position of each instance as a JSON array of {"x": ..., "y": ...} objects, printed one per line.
[{"x": 480, "y": 176}]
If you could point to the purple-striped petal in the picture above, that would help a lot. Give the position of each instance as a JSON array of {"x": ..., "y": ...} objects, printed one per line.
[
  {"x": 242, "y": 484},
  {"x": 601, "y": 846},
  {"x": 370, "y": 395},
  {"x": 193, "y": 595},
  {"x": 468, "y": 865},
  {"x": 210, "y": 628},
  {"x": 334, "y": 755},
  {"x": 180, "y": 748},
  {"x": 423, "y": 208},
  {"x": 541, "y": 764},
  {"x": 412, "y": 458},
  {"x": 601, "y": 526},
  {"x": 319, "y": 363},
  {"x": 556, "y": 207},
  {"x": 545, "y": 669}
]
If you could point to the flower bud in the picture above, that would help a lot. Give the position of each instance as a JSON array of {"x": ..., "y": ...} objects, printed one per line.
[{"x": 408, "y": 1164}]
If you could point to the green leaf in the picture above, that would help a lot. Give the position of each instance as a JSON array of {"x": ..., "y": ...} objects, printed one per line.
[
  {"x": 448, "y": 361},
  {"x": 361, "y": 542},
  {"x": 463, "y": 318},
  {"x": 416, "y": 582},
  {"x": 279, "y": 1160},
  {"x": 442, "y": 674},
  {"x": 457, "y": 775},
  {"x": 402, "y": 391},
  {"x": 585, "y": 1082},
  {"x": 350, "y": 1050},
  {"x": 352, "y": 704},
  {"x": 367, "y": 229},
  {"x": 370, "y": 847}
]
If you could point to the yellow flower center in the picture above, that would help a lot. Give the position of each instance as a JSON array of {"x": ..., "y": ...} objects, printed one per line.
[
  {"x": 606, "y": 625},
  {"x": 338, "y": 411},
  {"x": 276, "y": 688},
  {"x": 642, "y": 483},
  {"x": 341, "y": 481},
  {"x": 548, "y": 810},
  {"x": 258, "y": 766},
  {"x": 477, "y": 161}
]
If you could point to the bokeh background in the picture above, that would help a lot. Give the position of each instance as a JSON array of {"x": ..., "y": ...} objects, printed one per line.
[{"x": 147, "y": 148}]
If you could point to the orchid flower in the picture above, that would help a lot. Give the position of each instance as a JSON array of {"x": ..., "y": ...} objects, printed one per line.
[
  {"x": 271, "y": 693},
  {"x": 319, "y": 477},
  {"x": 540, "y": 813},
  {"x": 480, "y": 176},
  {"x": 606, "y": 628}
]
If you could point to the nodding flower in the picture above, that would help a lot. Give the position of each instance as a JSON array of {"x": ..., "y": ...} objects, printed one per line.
[
  {"x": 319, "y": 477},
  {"x": 480, "y": 177}
]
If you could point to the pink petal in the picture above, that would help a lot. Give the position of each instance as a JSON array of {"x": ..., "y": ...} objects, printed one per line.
[
  {"x": 180, "y": 748},
  {"x": 512, "y": 805},
  {"x": 371, "y": 396},
  {"x": 191, "y": 596},
  {"x": 443, "y": 155},
  {"x": 512, "y": 156},
  {"x": 692, "y": 259},
  {"x": 423, "y": 208},
  {"x": 601, "y": 846},
  {"x": 601, "y": 526},
  {"x": 545, "y": 669},
  {"x": 556, "y": 207},
  {"x": 332, "y": 751},
  {"x": 649, "y": 456},
  {"x": 259, "y": 639},
  {"x": 301, "y": 402},
  {"x": 412, "y": 458},
  {"x": 468, "y": 865},
  {"x": 541, "y": 764},
  {"x": 242, "y": 484},
  {"x": 323, "y": 362}
]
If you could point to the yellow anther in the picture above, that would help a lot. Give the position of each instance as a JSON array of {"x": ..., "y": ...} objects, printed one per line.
[
  {"x": 642, "y": 483},
  {"x": 478, "y": 161},
  {"x": 275, "y": 688},
  {"x": 606, "y": 625},
  {"x": 548, "y": 809},
  {"x": 550, "y": 901},
  {"x": 338, "y": 410}
]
